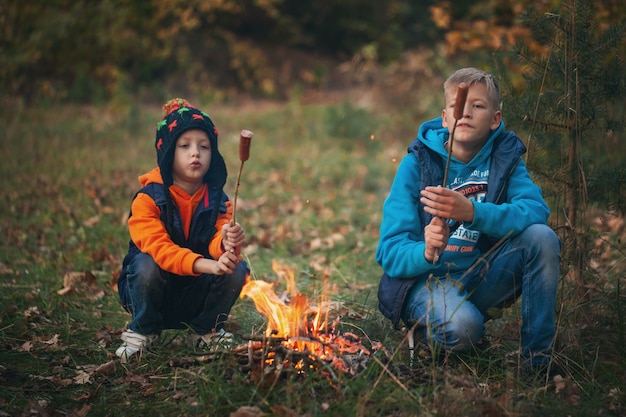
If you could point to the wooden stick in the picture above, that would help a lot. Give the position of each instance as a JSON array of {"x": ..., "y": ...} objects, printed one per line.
[{"x": 459, "y": 106}]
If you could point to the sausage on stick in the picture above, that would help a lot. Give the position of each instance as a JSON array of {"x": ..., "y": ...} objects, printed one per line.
[
  {"x": 459, "y": 106},
  {"x": 245, "y": 138}
]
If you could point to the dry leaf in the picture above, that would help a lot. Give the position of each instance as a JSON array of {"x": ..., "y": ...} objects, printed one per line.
[
  {"x": 83, "y": 283},
  {"x": 55, "y": 379},
  {"x": 82, "y": 377},
  {"x": 5, "y": 270},
  {"x": 559, "y": 383},
  {"x": 106, "y": 368},
  {"x": 92, "y": 221},
  {"x": 53, "y": 341},
  {"x": 31, "y": 312},
  {"x": 247, "y": 411},
  {"x": 282, "y": 411},
  {"x": 115, "y": 276}
]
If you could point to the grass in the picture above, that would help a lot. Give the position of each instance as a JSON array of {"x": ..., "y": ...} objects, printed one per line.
[{"x": 311, "y": 197}]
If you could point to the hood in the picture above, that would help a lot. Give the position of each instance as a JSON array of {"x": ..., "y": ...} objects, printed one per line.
[
  {"x": 152, "y": 176},
  {"x": 434, "y": 136}
]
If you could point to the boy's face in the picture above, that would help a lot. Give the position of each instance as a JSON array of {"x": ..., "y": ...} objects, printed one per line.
[
  {"x": 479, "y": 117},
  {"x": 192, "y": 157}
]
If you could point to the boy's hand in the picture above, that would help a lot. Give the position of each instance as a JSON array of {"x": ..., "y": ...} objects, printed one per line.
[
  {"x": 233, "y": 238},
  {"x": 435, "y": 237},
  {"x": 226, "y": 263},
  {"x": 447, "y": 204}
]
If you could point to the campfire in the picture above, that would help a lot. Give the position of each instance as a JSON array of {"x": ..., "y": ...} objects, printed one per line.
[{"x": 301, "y": 335}]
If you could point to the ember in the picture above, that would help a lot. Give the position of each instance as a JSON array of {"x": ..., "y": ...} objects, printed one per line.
[{"x": 299, "y": 334}]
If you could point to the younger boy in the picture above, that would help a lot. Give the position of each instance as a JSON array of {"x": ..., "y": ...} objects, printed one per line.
[
  {"x": 487, "y": 223},
  {"x": 182, "y": 269}
]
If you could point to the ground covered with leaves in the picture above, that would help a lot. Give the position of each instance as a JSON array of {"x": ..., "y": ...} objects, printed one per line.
[{"x": 310, "y": 197}]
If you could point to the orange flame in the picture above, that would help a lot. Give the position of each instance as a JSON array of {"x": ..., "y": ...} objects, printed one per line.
[{"x": 297, "y": 321}]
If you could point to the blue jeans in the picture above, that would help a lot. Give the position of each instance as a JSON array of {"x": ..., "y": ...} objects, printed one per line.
[
  {"x": 450, "y": 311},
  {"x": 160, "y": 300}
]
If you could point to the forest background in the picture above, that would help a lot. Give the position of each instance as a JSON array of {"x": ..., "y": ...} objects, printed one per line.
[{"x": 334, "y": 92}]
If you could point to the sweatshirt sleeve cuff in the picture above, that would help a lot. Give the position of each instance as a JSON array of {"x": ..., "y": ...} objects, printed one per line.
[
  {"x": 187, "y": 264},
  {"x": 215, "y": 247}
]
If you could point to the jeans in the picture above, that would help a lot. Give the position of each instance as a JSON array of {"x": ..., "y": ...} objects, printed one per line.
[
  {"x": 159, "y": 300},
  {"x": 450, "y": 311}
]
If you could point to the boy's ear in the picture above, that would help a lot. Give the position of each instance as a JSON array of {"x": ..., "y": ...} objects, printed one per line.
[
  {"x": 444, "y": 122},
  {"x": 497, "y": 118}
]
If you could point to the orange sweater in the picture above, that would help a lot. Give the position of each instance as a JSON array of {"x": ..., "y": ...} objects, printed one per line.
[{"x": 150, "y": 235}]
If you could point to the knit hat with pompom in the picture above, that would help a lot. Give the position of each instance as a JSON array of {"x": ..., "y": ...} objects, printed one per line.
[{"x": 180, "y": 116}]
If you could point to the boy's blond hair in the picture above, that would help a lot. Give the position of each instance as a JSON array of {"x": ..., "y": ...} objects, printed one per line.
[{"x": 472, "y": 76}]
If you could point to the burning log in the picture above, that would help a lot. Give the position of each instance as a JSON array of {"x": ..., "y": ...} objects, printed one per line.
[
  {"x": 299, "y": 336},
  {"x": 337, "y": 354}
]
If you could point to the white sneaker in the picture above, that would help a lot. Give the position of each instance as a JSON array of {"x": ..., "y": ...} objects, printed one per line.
[
  {"x": 218, "y": 340},
  {"x": 134, "y": 343}
]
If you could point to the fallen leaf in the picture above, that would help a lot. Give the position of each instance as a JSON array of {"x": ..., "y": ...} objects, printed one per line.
[
  {"x": 247, "y": 411},
  {"x": 106, "y": 368},
  {"x": 115, "y": 276},
  {"x": 53, "y": 341},
  {"x": 31, "y": 312},
  {"x": 83, "y": 283},
  {"x": 282, "y": 411},
  {"x": 92, "y": 221},
  {"x": 177, "y": 396},
  {"x": 559, "y": 383},
  {"x": 82, "y": 377},
  {"x": 55, "y": 379},
  {"x": 5, "y": 270}
]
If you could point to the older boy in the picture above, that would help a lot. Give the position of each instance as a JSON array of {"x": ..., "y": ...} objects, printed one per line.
[{"x": 488, "y": 224}]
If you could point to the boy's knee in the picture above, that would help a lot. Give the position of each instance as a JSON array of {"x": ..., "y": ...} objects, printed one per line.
[
  {"x": 143, "y": 269},
  {"x": 465, "y": 332},
  {"x": 544, "y": 243},
  {"x": 542, "y": 235},
  {"x": 461, "y": 332}
]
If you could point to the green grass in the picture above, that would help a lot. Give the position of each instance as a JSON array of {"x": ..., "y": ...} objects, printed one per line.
[{"x": 311, "y": 196}]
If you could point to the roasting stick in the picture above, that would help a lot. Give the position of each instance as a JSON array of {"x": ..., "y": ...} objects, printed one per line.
[
  {"x": 244, "y": 153},
  {"x": 459, "y": 106}
]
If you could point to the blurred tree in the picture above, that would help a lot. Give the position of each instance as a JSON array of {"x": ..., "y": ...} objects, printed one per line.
[
  {"x": 83, "y": 50},
  {"x": 49, "y": 47},
  {"x": 569, "y": 100},
  {"x": 495, "y": 24}
]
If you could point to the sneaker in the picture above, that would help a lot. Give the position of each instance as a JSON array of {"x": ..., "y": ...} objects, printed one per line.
[
  {"x": 218, "y": 340},
  {"x": 134, "y": 343}
]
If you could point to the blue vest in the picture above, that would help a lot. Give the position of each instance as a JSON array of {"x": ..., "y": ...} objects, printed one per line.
[{"x": 506, "y": 153}]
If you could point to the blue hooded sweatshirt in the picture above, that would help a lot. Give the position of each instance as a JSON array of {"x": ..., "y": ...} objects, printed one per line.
[{"x": 496, "y": 181}]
